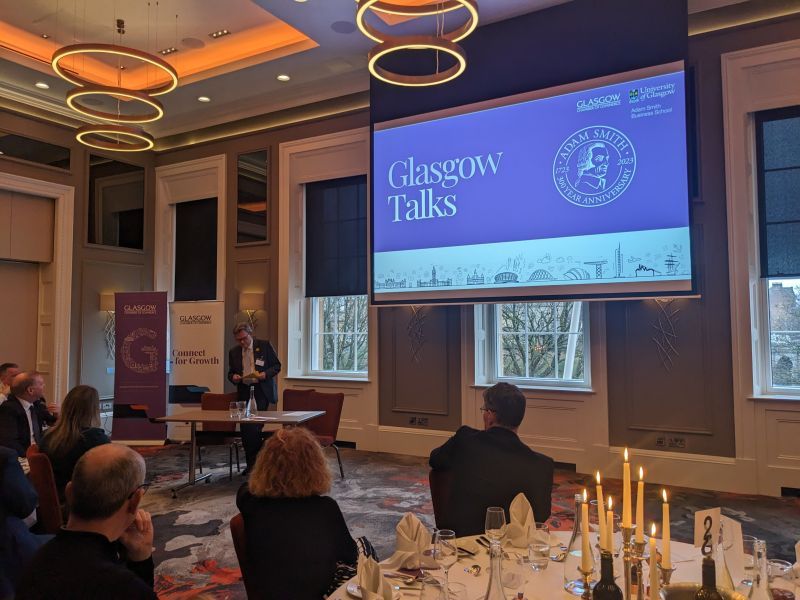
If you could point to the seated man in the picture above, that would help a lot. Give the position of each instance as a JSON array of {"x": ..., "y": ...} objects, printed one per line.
[
  {"x": 18, "y": 500},
  {"x": 490, "y": 467},
  {"x": 24, "y": 413},
  {"x": 105, "y": 550},
  {"x": 7, "y": 373}
]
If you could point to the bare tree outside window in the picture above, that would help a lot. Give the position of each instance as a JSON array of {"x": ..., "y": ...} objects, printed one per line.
[
  {"x": 539, "y": 341},
  {"x": 784, "y": 332},
  {"x": 339, "y": 335}
]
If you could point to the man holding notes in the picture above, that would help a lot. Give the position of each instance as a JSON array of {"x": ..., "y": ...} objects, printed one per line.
[{"x": 253, "y": 362}]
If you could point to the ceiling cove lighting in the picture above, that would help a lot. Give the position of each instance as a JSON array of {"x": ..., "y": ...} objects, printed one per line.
[
  {"x": 117, "y": 138},
  {"x": 443, "y": 42}
]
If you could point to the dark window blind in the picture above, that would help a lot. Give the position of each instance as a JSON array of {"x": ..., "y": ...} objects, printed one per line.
[
  {"x": 778, "y": 158},
  {"x": 336, "y": 237},
  {"x": 196, "y": 250}
]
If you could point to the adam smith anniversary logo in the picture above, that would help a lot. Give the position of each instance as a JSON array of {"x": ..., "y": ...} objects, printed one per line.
[{"x": 594, "y": 166}]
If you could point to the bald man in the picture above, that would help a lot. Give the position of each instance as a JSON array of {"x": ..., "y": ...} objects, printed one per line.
[{"x": 105, "y": 550}]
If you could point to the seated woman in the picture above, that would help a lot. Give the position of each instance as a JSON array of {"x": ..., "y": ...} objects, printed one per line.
[
  {"x": 295, "y": 536},
  {"x": 76, "y": 431}
]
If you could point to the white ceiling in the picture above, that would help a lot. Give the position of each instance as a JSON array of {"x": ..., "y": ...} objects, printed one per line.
[{"x": 335, "y": 67}]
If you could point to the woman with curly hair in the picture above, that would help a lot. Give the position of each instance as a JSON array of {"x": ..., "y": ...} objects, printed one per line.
[{"x": 296, "y": 537}]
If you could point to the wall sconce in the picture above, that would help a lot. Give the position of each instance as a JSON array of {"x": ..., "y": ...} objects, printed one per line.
[
  {"x": 107, "y": 306},
  {"x": 250, "y": 302}
]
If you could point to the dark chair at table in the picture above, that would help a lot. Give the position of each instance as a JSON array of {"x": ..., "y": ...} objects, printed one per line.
[
  {"x": 219, "y": 433},
  {"x": 440, "y": 483},
  {"x": 325, "y": 427},
  {"x": 48, "y": 514},
  {"x": 240, "y": 545}
]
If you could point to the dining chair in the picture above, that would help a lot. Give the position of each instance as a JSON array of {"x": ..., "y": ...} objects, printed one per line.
[
  {"x": 440, "y": 483},
  {"x": 219, "y": 433},
  {"x": 48, "y": 513},
  {"x": 325, "y": 427},
  {"x": 240, "y": 546}
]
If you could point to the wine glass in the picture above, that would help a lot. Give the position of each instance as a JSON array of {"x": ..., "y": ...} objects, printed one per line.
[
  {"x": 445, "y": 552},
  {"x": 539, "y": 547},
  {"x": 496, "y": 525}
]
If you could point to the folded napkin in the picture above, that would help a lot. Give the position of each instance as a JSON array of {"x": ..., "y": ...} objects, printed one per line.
[
  {"x": 413, "y": 540},
  {"x": 521, "y": 521},
  {"x": 370, "y": 580}
]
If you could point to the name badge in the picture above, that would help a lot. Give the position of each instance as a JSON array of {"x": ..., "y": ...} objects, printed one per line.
[{"x": 259, "y": 362}]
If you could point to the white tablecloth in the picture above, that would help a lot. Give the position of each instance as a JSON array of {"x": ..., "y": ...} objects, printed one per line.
[{"x": 549, "y": 583}]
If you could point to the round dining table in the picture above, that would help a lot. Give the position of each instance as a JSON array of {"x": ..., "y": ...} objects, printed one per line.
[{"x": 547, "y": 584}]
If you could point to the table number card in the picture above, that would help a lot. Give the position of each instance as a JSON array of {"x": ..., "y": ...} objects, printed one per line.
[
  {"x": 700, "y": 526},
  {"x": 734, "y": 547}
]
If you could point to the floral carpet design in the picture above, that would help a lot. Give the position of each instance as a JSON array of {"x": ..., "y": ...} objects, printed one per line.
[{"x": 194, "y": 552}]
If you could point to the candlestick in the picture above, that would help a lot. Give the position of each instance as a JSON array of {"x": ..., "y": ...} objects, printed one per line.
[
  {"x": 627, "y": 560},
  {"x": 601, "y": 522},
  {"x": 587, "y": 584},
  {"x": 586, "y": 549},
  {"x": 626, "y": 491},
  {"x": 654, "y": 595},
  {"x": 640, "y": 508},
  {"x": 666, "y": 558},
  {"x": 609, "y": 541}
]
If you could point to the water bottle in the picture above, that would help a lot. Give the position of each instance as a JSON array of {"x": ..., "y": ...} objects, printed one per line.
[{"x": 252, "y": 407}]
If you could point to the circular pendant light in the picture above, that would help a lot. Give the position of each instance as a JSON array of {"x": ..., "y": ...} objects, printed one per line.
[
  {"x": 114, "y": 50},
  {"x": 98, "y": 136},
  {"x": 74, "y": 95},
  {"x": 442, "y": 42}
]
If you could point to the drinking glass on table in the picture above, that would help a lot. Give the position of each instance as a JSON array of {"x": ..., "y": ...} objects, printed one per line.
[
  {"x": 749, "y": 559},
  {"x": 241, "y": 407},
  {"x": 496, "y": 525},
  {"x": 445, "y": 552},
  {"x": 516, "y": 573},
  {"x": 233, "y": 407},
  {"x": 539, "y": 547}
]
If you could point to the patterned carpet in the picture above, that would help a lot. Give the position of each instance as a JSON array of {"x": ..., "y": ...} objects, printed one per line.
[{"x": 194, "y": 553}]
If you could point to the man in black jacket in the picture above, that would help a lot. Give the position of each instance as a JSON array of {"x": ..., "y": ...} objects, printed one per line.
[
  {"x": 490, "y": 467},
  {"x": 256, "y": 358},
  {"x": 24, "y": 413},
  {"x": 105, "y": 550}
]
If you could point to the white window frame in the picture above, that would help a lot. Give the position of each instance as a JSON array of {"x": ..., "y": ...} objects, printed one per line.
[
  {"x": 487, "y": 353},
  {"x": 313, "y": 329}
]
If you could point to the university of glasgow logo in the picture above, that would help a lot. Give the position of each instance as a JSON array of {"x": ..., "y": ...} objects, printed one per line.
[
  {"x": 594, "y": 166},
  {"x": 633, "y": 95}
]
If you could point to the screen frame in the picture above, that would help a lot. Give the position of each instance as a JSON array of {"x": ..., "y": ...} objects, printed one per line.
[{"x": 540, "y": 293}]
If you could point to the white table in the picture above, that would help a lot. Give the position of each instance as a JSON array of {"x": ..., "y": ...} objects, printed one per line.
[
  {"x": 287, "y": 418},
  {"x": 549, "y": 583}
]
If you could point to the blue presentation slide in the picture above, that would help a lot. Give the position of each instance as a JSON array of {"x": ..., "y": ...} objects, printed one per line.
[{"x": 576, "y": 189}]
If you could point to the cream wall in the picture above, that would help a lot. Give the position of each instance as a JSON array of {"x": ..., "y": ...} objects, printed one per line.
[{"x": 20, "y": 297}]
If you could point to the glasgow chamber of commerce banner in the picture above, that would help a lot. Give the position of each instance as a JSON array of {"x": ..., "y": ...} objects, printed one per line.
[
  {"x": 140, "y": 382},
  {"x": 197, "y": 336}
]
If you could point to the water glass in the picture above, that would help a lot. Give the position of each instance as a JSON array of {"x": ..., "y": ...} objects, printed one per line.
[
  {"x": 515, "y": 573},
  {"x": 496, "y": 524},
  {"x": 233, "y": 407},
  {"x": 242, "y": 408},
  {"x": 749, "y": 559},
  {"x": 539, "y": 547},
  {"x": 780, "y": 569}
]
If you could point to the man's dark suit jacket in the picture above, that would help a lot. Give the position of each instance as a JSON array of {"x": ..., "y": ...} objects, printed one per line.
[
  {"x": 266, "y": 390},
  {"x": 15, "y": 433},
  {"x": 489, "y": 468}
]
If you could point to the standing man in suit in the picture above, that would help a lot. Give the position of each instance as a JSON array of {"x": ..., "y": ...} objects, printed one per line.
[
  {"x": 253, "y": 356},
  {"x": 24, "y": 413},
  {"x": 490, "y": 467}
]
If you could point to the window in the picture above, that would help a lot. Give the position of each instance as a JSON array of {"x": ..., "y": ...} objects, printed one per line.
[
  {"x": 115, "y": 203},
  {"x": 339, "y": 334},
  {"x": 336, "y": 276},
  {"x": 778, "y": 174},
  {"x": 251, "y": 197},
  {"x": 37, "y": 151},
  {"x": 533, "y": 344}
]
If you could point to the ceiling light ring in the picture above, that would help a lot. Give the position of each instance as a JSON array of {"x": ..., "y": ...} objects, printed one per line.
[
  {"x": 99, "y": 90},
  {"x": 455, "y": 35},
  {"x": 143, "y": 141},
  {"x": 76, "y": 49},
  {"x": 417, "y": 42}
]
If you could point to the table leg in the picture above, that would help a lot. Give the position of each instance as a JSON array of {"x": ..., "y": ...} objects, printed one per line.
[{"x": 192, "y": 464}]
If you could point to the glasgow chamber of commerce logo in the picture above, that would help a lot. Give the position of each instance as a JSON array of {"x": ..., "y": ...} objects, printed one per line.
[{"x": 594, "y": 166}]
